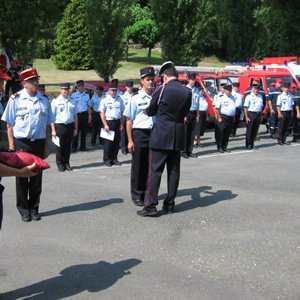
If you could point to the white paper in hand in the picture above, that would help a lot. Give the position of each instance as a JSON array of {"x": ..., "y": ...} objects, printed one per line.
[
  {"x": 55, "y": 140},
  {"x": 108, "y": 135}
]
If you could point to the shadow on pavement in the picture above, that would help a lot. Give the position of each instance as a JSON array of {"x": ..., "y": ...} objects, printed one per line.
[
  {"x": 75, "y": 280},
  {"x": 201, "y": 201},
  {"x": 82, "y": 207}
]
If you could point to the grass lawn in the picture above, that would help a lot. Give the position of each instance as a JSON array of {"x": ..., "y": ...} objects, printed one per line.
[{"x": 51, "y": 76}]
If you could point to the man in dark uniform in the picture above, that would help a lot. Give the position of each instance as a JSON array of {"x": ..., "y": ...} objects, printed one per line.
[{"x": 170, "y": 104}]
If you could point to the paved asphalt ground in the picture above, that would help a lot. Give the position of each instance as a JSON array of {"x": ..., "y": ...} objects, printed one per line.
[{"x": 235, "y": 233}]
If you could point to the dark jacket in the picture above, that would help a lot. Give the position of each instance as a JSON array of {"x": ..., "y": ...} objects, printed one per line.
[{"x": 168, "y": 130}]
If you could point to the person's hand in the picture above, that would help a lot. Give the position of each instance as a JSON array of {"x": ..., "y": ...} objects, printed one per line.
[
  {"x": 106, "y": 128},
  {"x": 279, "y": 115},
  {"x": 220, "y": 120},
  {"x": 53, "y": 133},
  {"x": 131, "y": 147},
  {"x": 247, "y": 120},
  {"x": 121, "y": 127},
  {"x": 272, "y": 112},
  {"x": 75, "y": 132},
  {"x": 29, "y": 171}
]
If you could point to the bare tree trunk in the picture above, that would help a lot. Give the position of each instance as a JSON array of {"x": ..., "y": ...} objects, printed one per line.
[{"x": 149, "y": 55}]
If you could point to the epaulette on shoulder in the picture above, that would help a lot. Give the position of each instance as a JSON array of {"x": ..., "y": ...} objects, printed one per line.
[{"x": 13, "y": 96}]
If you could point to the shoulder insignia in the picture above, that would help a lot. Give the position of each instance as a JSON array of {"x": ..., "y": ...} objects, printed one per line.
[{"x": 13, "y": 96}]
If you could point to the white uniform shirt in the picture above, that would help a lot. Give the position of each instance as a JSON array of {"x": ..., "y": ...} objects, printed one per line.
[
  {"x": 254, "y": 103},
  {"x": 226, "y": 105},
  {"x": 285, "y": 101}
]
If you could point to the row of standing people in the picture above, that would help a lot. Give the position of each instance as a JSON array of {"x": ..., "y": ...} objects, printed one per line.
[{"x": 29, "y": 113}]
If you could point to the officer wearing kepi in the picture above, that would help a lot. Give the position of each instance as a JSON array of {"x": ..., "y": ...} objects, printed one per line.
[
  {"x": 111, "y": 110},
  {"x": 285, "y": 104},
  {"x": 82, "y": 100},
  {"x": 139, "y": 127},
  {"x": 65, "y": 126},
  {"x": 225, "y": 109},
  {"x": 253, "y": 106},
  {"x": 28, "y": 114}
]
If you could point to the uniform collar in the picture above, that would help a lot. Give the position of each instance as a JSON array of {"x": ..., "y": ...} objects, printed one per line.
[{"x": 143, "y": 94}]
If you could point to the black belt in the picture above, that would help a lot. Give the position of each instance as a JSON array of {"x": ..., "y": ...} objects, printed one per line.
[
  {"x": 254, "y": 112},
  {"x": 29, "y": 140}
]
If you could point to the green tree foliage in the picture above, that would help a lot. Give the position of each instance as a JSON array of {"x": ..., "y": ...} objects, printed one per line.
[
  {"x": 143, "y": 29},
  {"x": 185, "y": 29},
  {"x": 72, "y": 39},
  {"x": 236, "y": 28},
  {"x": 106, "y": 20},
  {"x": 23, "y": 22}
]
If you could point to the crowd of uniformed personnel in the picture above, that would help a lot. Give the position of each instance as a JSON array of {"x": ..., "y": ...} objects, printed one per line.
[{"x": 127, "y": 120}]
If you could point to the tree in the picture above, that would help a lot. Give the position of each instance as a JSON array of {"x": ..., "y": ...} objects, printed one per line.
[
  {"x": 185, "y": 29},
  {"x": 72, "y": 39},
  {"x": 143, "y": 29},
  {"x": 106, "y": 33},
  {"x": 22, "y": 23}
]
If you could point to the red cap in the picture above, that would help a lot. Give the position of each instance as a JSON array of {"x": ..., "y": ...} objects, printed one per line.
[
  {"x": 279, "y": 80},
  {"x": 4, "y": 76},
  {"x": 272, "y": 83},
  {"x": 29, "y": 73},
  {"x": 256, "y": 78},
  {"x": 293, "y": 85}
]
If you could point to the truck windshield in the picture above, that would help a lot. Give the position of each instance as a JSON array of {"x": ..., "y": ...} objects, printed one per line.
[{"x": 284, "y": 79}]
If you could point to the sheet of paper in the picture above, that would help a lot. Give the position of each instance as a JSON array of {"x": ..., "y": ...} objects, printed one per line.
[
  {"x": 55, "y": 140},
  {"x": 108, "y": 135}
]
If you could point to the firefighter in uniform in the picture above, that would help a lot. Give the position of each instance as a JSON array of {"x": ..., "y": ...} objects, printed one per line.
[
  {"x": 82, "y": 100},
  {"x": 28, "y": 114},
  {"x": 285, "y": 103},
  {"x": 126, "y": 99},
  {"x": 296, "y": 118},
  {"x": 139, "y": 127},
  {"x": 95, "y": 107},
  {"x": 191, "y": 118},
  {"x": 239, "y": 106},
  {"x": 170, "y": 104},
  {"x": 272, "y": 103},
  {"x": 253, "y": 106},
  {"x": 111, "y": 111},
  {"x": 65, "y": 126},
  {"x": 225, "y": 110}
]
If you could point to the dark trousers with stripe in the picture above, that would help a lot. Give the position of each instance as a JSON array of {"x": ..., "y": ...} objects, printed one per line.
[
  {"x": 283, "y": 125},
  {"x": 200, "y": 126},
  {"x": 189, "y": 128},
  {"x": 82, "y": 130},
  {"x": 29, "y": 189},
  {"x": 157, "y": 161},
  {"x": 236, "y": 121},
  {"x": 65, "y": 133},
  {"x": 140, "y": 163},
  {"x": 252, "y": 127},
  {"x": 296, "y": 126},
  {"x": 124, "y": 139},
  {"x": 273, "y": 120},
  {"x": 97, "y": 124},
  {"x": 111, "y": 148},
  {"x": 225, "y": 128},
  {"x": 1, "y": 203}
]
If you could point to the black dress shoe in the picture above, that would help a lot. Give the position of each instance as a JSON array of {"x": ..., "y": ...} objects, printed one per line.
[
  {"x": 84, "y": 149},
  {"x": 35, "y": 216},
  {"x": 108, "y": 163},
  {"x": 286, "y": 143},
  {"x": 116, "y": 162},
  {"x": 124, "y": 152},
  {"x": 138, "y": 202},
  {"x": 147, "y": 212},
  {"x": 193, "y": 155},
  {"x": 68, "y": 167},
  {"x": 184, "y": 155},
  {"x": 249, "y": 147},
  {"x": 26, "y": 218},
  {"x": 220, "y": 150},
  {"x": 167, "y": 208},
  {"x": 280, "y": 143},
  {"x": 254, "y": 147},
  {"x": 227, "y": 150},
  {"x": 61, "y": 168}
]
